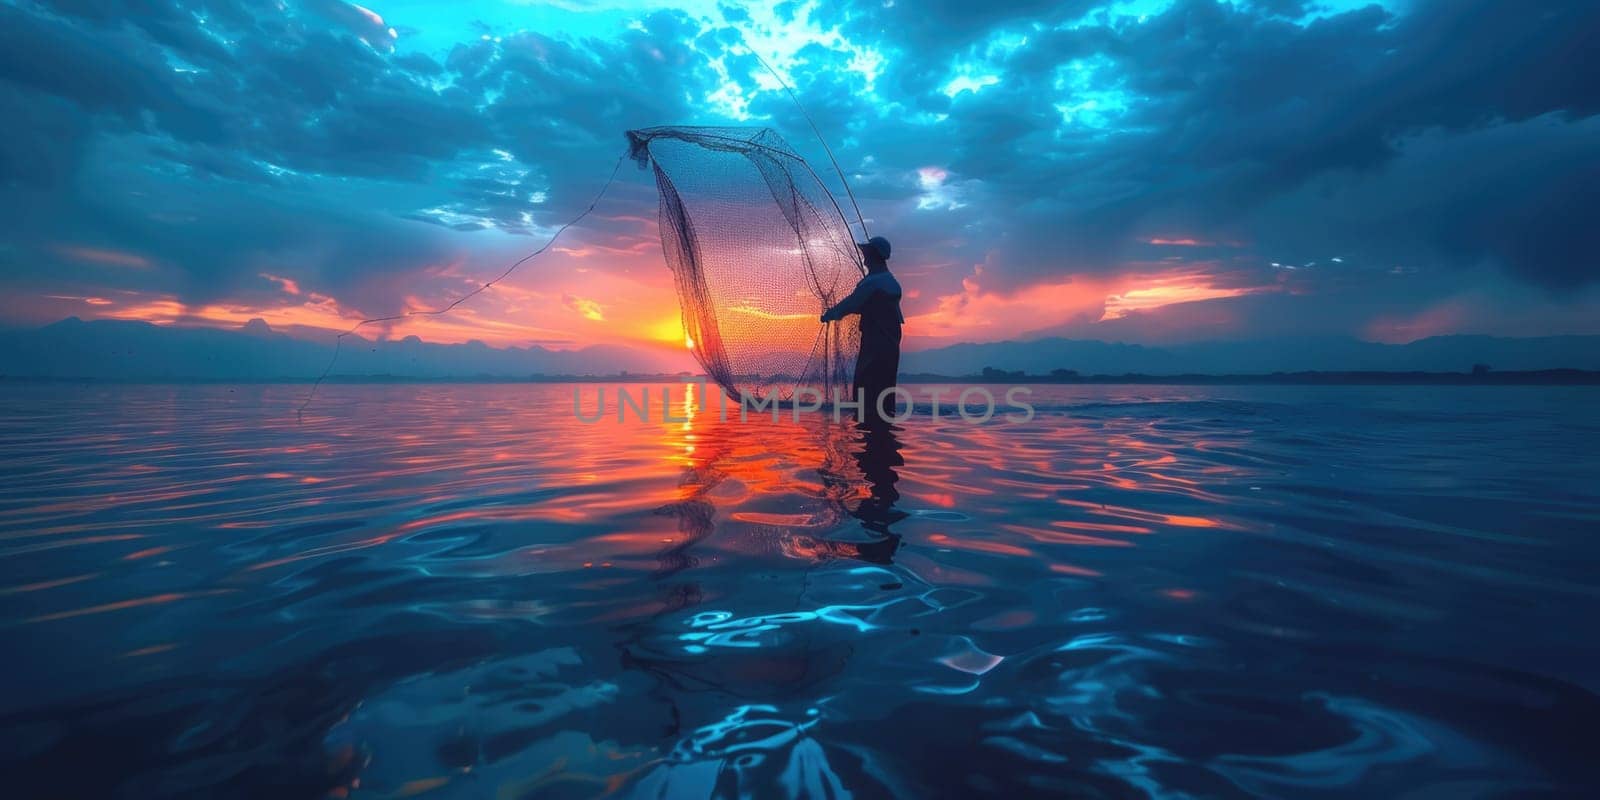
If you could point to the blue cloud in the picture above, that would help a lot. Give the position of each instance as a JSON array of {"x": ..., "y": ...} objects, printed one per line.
[{"x": 351, "y": 149}]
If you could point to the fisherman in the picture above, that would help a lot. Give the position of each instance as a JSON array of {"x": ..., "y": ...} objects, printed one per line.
[{"x": 877, "y": 299}]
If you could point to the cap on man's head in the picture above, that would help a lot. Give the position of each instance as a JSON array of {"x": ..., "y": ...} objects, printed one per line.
[{"x": 876, "y": 245}]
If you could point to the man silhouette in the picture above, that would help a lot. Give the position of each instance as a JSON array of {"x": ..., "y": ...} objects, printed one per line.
[{"x": 877, "y": 299}]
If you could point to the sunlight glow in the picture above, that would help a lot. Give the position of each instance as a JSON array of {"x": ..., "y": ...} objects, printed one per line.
[{"x": 1163, "y": 293}]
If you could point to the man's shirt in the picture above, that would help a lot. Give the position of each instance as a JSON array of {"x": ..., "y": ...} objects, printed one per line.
[{"x": 877, "y": 299}]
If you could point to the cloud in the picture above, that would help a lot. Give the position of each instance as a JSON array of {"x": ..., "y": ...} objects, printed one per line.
[
  {"x": 286, "y": 284},
  {"x": 215, "y": 154},
  {"x": 584, "y": 307},
  {"x": 95, "y": 255},
  {"x": 219, "y": 146},
  {"x": 1102, "y": 129}
]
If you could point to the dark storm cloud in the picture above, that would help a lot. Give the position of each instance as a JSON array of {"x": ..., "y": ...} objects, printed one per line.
[
  {"x": 563, "y": 105},
  {"x": 1228, "y": 110},
  {"x": 214, "y": 142},
  {"x": 178, "y": 159},
  {"x": 111, "y": 72},
  {"x": 835, "y": 99}
]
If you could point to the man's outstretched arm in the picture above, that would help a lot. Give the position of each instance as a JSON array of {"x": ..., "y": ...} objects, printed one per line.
[{"x": 851, "y": 304}]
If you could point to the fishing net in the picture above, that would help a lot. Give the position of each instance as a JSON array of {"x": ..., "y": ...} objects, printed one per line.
[{"x": 758, "y": 250}]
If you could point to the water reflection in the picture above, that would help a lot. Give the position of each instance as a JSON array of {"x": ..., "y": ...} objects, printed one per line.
[
  {"x": 462, "y": 591},
  {"x": 877, "y": 459},
  {"x": 758, "y": 747}
]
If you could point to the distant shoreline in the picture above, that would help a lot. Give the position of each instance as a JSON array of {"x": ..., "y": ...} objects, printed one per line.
[
  {"x": 1547, "y": 377},
  {"x": 1543, "y": 377}
]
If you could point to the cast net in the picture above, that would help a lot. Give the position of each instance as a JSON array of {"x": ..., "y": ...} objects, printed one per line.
[{"x": 758, "y": 250}]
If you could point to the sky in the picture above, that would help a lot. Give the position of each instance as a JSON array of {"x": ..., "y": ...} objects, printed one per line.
[{"x": 1149, "y": 171}]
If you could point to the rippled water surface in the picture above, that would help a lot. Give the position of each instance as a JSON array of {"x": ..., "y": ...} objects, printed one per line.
[{"x": 460, "y": 591}]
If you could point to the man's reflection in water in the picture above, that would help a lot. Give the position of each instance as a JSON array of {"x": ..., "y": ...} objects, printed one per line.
[
  {"x": 878, "y": 456},
  {"x": 763, "y": 641}
]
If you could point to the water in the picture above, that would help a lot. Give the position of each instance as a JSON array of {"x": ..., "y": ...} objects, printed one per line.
[{"x": 460, "y": 591}]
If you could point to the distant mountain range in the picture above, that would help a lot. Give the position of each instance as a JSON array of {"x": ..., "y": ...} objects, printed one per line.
[
  {"x": 1328, "y": 354},
  {"x": 129, "y": 350}
]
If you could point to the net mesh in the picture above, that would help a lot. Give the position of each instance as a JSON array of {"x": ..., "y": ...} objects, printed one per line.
[{"x": 758, "y": 250}]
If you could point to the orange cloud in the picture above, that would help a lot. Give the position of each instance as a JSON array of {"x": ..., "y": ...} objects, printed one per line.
[
  {"x": 1160, "y": 292},
  {"x": 584, "y": 306},
  {"x": 93, "y": 301},
  {"x": 285, "y": 284},
  {"x": 619, "y": 293},
  {"x": 1189, "y": 241},
  {"x": 98, "y": 255},
  {"x": 321, "y": 312},
  {"x": 617, "y": 299},
  {"x": 975, "y": 313},
  {"x": 978, "y": 314}
]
